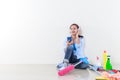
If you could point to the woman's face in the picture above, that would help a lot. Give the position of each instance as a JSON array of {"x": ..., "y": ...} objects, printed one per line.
[{"x": 73, "y": 30}]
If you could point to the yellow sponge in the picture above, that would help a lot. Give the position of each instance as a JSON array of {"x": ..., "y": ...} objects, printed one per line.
[{"x": 101, "y": 78}]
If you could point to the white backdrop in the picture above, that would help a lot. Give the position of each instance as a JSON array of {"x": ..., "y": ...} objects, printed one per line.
[{"x": 33, "y": 31}]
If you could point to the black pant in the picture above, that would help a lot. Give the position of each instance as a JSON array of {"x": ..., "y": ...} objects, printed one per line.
[{"x": 69, "y": 55}]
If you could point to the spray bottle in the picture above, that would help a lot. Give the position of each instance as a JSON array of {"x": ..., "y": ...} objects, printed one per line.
[{"x": 98, "y": 62}]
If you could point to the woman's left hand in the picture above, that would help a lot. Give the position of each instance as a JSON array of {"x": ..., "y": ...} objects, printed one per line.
[
  {"x": 77, "y": 40},
  {"x": 78, "y": 33}
]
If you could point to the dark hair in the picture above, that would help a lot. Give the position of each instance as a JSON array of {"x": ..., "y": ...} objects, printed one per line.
[
  {"x": 74, "y": 24},
  {"x": 80, "y": 36}
]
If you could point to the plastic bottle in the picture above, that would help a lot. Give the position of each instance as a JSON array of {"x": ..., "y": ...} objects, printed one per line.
[
  {"x": 98, "y": 62},
  {"x": 108, "y": 64},
  {"x": 104, "y": 59}
]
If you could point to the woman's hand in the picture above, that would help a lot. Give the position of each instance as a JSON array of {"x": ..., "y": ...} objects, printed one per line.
[
  {"x": 70, "y": 43},
  {"x": 77, "y": 39},
  {"x": 78, "y": 33}
]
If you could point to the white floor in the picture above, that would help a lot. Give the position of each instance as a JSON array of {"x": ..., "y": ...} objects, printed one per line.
[{"x": 41, "y": 72}]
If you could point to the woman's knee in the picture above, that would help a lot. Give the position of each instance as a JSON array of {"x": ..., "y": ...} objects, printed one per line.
[
  {"x": 70, "y": 47},
  {"x": 82, "y": 66}
]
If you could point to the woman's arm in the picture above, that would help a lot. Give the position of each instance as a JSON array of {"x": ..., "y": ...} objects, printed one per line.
[
  {"x": 77, "y": 40},
  {"x": 67, "y": 44},
  {"x": 80, "y": 48}
]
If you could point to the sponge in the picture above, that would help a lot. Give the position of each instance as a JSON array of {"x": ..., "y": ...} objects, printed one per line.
[{"x": 101, "y": 78}]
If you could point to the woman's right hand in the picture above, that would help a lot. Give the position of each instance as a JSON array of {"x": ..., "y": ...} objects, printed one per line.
[{"x": 69, "y": 43}]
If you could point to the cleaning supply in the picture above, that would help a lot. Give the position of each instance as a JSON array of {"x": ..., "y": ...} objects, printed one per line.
[
  {"x": 108, "y": 64},
  {"x": 85, "y": 60},
  {"x": 98, "y": 62},
  {"x": 104, "y": 59},
  {"x": 68, "y": 69},
  {"x": 101, "y": 78},
  {"x": 115, "y": 76}
]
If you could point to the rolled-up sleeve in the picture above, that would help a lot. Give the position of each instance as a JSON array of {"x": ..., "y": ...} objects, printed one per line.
[{"x": 64, "y": 44}]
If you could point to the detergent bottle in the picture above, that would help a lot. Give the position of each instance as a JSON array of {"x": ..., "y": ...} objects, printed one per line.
[
  {"x": 98, "y": 61},
  {"x": 108, "y": 63},
  {"x": 104, "y": 59}
]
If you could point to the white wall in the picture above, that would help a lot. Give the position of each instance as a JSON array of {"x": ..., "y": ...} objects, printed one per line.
[{"x": 32, "y": 31}]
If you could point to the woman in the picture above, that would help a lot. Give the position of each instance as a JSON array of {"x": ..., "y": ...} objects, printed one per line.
[{"x": 74, "y": 49}]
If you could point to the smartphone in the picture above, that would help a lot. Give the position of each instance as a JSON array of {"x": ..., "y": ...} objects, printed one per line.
[{"x": 69, "y": 39}]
